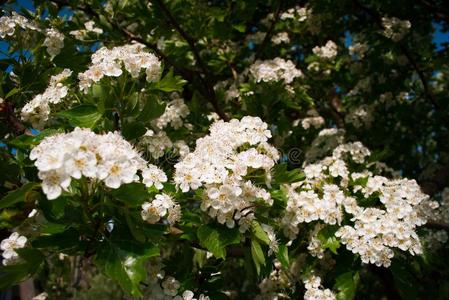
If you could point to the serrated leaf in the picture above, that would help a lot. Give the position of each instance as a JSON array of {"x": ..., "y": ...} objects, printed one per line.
[
  {"x": 346, "y": 285},
  {"x": 124, "y": 262},
  {"x": 281, "y": 175},
  {"x": 62, "y": 241},
  {"x": 170, "y": 83},
  {"x": 328, "y": 239},
  {"x": 17, "y": 195},
  {"x": 82, "y": 116},
  {"x": 215, "y": 239}
]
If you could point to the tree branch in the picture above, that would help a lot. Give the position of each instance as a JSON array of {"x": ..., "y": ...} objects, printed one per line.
[
  {"x": 437, "y": 225},
  {"x": 209, "y": 92},
  {"x": 11, "y": 119},
  {"x": 270, "y": 30}
]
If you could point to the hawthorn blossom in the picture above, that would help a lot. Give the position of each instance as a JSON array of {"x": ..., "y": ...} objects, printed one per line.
[
  {"x": 220, "y": 168},
  {"x": 109, "y": 62},
  {"x": 107, "y": 157},
  {"x": 9, "y": 245}
]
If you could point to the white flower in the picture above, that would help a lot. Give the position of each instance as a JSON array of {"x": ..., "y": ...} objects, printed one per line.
[
  {"x": 154, "y": 176},
  {"x": 170, "y": 286},
  {"x": 109, "y": 62},
  {"x": 163, "y": 205},
  {"x": 314, "y": 290},
  {"x": 218, "y": 165},
  {"x": 106, "y": 157},
  {"x": 9, "y": 245},
  {"x": 54, "y": 42},
  {"x": 275, "y": 70},
  {"x": 53, "y": 182},
  {"x": 114, "y": 173},
  {"x": 395, "y": 28},
  {"x": 37, "y": 111},
  {"x": 328, "y": 51}
]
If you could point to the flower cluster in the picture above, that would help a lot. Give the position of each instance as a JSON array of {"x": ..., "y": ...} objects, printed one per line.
[
  {"x": 8, "y": 24},
  {"x": 437, "y": 212},
  {"x": 107, "y": 157},
  {"x": 156, "y": 143},
  {"x": 358, "y": 49},
  {"x": 326, "y": 141},
  {"x": 9, "y": 245},
  {"x": 89, "y": 27},
  {"x": 54, "y": 41},
  {"x": 275, "y": 285},
  {"x": 274, "y": 70},
  {"x": 175, "y": 111},
  {"x": 314, "y": 290},
  {"x": 166, "y": 287},
  {"x": 395, "y": 28},
  {"x": 315, "y": 122},
  {"x": 37, "y": 110},
  {"x": 384, "y": 211},
  {"x": 281, "y": 37},
  {"x": 220, "y": 163},
  {"x": 297, "y": 13},
  {"x": 328, "y": 51},
  {"x": 362, "y": 115},
  {"x": 163, "y": 205},
  {"x": 108, "y": 62}
]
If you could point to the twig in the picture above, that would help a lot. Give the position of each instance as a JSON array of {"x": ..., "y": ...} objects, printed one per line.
[
  {"x": 437, "y": 225},
  {"x": 209, "y": 92},
  {"x": 11, "y": 119},
  {"x": 270, "y": 30}
]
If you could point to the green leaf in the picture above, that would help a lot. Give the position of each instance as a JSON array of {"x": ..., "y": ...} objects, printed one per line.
[
  {"x": 125, "y": 263},
  {"x": 153, "y": 108},
  {"x": 170, "y": 83},
  {"x": 12, "y": 92},
  {"x": 26, "y": 141},
  {"x": 133, "y": 130},
  {"x": 82, "y": 116},
  {"x": 239, "y": 27},
  {"x": 328, "y": 239},
  {"x": 282, "y": 255},
  {"x": 18, "y": 195},
  {"x": 280, "y": 196},
  {"x": 62, "y": 241},
  {"x": 258, "y": 232},
  {"x": 346, "y": 285},
  {"x": 133, "y": 194},
  {"x": 216, "y": 238},
  {"x": 31, "y": 260},
  {"x": 257, "y": 254},
  {"x": 404, "y": 279},
  {"x": 281, "y": 175}
]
